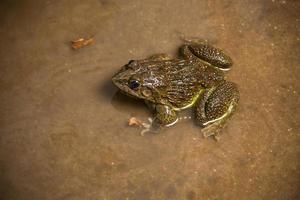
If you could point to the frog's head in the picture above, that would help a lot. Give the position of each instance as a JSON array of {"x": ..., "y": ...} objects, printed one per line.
[{"x": 135, "y": 79}]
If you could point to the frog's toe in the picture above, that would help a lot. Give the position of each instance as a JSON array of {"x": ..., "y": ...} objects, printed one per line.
[{"x": 212, "y": 130}]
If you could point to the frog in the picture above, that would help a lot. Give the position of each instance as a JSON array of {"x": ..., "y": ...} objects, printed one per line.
[{"x": 195, "y": 79}]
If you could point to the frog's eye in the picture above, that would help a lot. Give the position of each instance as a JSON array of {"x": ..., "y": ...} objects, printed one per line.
[{"x": 133, "y": 84}]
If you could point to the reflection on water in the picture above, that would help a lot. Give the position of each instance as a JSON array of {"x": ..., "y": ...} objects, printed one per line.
[{"x": 124, "y": 103}]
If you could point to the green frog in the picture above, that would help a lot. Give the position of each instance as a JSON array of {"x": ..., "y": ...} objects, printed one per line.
[{"x": 195, "y": 79}]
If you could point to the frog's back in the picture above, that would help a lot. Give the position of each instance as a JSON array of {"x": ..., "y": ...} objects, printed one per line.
[{"x": 183, "y": 81}]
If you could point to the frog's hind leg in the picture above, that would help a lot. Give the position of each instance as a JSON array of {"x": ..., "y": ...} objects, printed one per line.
[
  {"x": 215, "y": 106},
  {"x": 210, "y": 54}
]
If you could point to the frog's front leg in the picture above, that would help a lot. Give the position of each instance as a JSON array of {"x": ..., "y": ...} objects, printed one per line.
[
  {"x": 215, "y": 106},
  {"x": 207, "y": 53},
  {"x": 164, "y": 115}
]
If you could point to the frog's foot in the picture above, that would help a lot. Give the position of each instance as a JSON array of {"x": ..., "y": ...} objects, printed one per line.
[
  {"x": 154, "y": 126},
  {"x": 196, "y": 50},
  {"x": 215, "y": 107},
  {"x": 146, "y": 126},
  {"x": 213, "y": 130}
]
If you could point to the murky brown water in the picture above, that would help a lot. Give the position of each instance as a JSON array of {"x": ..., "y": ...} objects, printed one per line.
[{"x": 63, "y": 128}]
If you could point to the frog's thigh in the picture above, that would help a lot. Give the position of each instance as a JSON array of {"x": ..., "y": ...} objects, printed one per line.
[
  {"x": 207, "y": 53},
  {"x": 164, "y": 115},
  {"x": 217, "y": 104}
]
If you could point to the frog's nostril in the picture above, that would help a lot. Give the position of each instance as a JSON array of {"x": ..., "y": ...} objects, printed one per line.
[
  {"x": 125, "y": 67},
  {"x": 130, "y": 61}
]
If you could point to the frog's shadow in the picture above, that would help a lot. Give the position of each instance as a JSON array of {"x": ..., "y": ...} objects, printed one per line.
[
  {"x": 127, "y": 104},
  {"x": 118, "y": 100}
]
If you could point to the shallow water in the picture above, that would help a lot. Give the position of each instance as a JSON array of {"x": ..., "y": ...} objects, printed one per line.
[{"x": 64, "y": 132}]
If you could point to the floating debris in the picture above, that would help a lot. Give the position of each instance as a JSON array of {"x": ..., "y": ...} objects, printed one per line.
[
  {"x": 81, "y": 42},
  {"x": 133, "y": 121}
]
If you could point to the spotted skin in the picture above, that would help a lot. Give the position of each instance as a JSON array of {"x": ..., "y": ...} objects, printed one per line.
[{"x": 170, "y": 85}]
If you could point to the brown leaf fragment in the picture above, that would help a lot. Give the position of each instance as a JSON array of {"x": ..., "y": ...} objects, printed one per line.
[
  {"x": 81, "y": 42},
  {"x": 134, "y": 122}
]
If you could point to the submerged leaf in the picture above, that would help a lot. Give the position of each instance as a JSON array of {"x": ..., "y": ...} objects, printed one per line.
[{"x": 81, "y": 42}]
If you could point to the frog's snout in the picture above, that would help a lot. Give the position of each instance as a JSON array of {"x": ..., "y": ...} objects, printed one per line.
[
  {"x": 118, "y": 79},
  {"x": 121, "y": 77}
]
